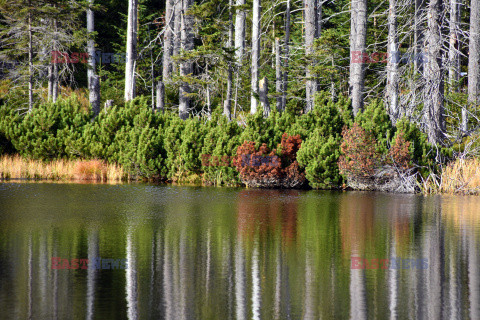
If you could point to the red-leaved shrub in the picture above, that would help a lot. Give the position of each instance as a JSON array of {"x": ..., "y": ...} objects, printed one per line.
[
  {"x": 359, "y": 156},
  {"x": 399, "y": 152},
  {"x": 265, "y": 168}
]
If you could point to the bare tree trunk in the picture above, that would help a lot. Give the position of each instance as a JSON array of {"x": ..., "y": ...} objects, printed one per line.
[
  {"x": 474, "y": 56},
  {"x": 240, "y": 31},
  {"x": 50, "y": 81},
  {"x": 167, "y": 39},
  {"x": 310, "y": 36},
  {"x": 30, "y": 59},
  {"x": 93, "y": 80},
  {"x": 186, "y": 65},
  {"x": 419, "y": 35},
  {"x": 332, "y": 83},
  {"x": 90, "y": 44},
  {"x": 131, "y": 50},
  {"x": 358, "y": 34},
  {"x": 278, "y": 75},
  {"x": 453, "y": 50},
  {"x": 54, "y": 75},
  {"x": 392, "y": 63},
  {"x": 319, "y": 17},
  {"x": 434, "y": 87},
  {"x": 108, "y": 104},
  {"x": 255, "y": 54},
  {"x": 177, "y": 30},
  {"x": 160, "y": 103},
  {"x": 454, "y": 56},
  {"x": 287, "y": 53},
  {"x": 263, "y": 93},
  {"x": 55, "y": 89},
  {"x": 94, "y": 90},
  {"x": 227, "y": 104}
]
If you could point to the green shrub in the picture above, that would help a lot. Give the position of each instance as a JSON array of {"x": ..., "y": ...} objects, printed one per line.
[
  {"x": 46, "y": 132},
  {"x": 319, "y": 156},
  {"x": 221, "y": 141},
  {"x": 328, "y": 117},
  {"x": 320, "y": 150},
  {"x": 375, "y": 120}
]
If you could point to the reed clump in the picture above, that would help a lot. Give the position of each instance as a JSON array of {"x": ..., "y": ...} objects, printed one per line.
[
  {"x": 16, "y": 167},
  {"x": 461, "y": 176}
]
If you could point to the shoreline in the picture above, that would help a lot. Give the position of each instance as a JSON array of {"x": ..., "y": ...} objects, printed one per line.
[{"x": 461, "y": 177}]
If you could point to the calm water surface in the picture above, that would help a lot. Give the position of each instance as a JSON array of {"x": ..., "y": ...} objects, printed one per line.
[{"x": 214, "y": 253}]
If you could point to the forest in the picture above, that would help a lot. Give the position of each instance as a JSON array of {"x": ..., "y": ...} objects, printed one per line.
[{"x": 327, "y": 94}]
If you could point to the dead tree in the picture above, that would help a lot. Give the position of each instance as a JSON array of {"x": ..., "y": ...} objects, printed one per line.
[
  {"x": 186, "y": 67},
  {"x": 255, "y": 54},
  {"x": 131, "y": 50},
  {"x": 434, "y": 75},
  {"x": 474, "y": 57},
  {"x": 358, "y": 34}
]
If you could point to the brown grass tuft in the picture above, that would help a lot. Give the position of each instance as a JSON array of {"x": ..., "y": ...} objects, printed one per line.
[
  {"x": 16, "y": 167},
  {"x": 461, "y": 176}
]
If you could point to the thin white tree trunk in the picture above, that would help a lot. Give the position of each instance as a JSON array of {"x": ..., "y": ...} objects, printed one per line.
[
  {"x": 186, "y": 65},
  {"x": 30, "y": 60},
  {"x": 287, "y": 54},
  {"x": 131, "y": 50},
  {"x": 278, "y": 75},
  {"x": 392, "y": 63},
  {"x": 310, "y": 36},
  {"x": 255, "y": 54},
  {"x": 177, "y": 31},
  {"x": 160, "y": 96},
  {"x": 90, "y": 44},
  {"x": 167, "y": 39},
  {"x": 358, "y": 34},
  {"x": 227, "y": 105},
  {"x": 419, "y": 37},
  {"x": 434, "y": 87},
  {"x": 474, "y": 56},
  {"x": 240, "y": 31},
  {"x": 94, "y": 94},
  {"x": 263, "y": 93},
  {"x": 453, "y": 49}
]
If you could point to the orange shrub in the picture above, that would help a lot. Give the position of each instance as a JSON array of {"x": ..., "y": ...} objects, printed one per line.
[{"x": 359, "y": 155}]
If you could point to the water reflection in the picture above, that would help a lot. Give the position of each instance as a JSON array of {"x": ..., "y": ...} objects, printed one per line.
[{"x": 236, "y": 254}]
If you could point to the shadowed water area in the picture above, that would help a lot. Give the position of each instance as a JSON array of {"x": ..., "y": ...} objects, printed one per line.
[{"x": 219, "y": 253}]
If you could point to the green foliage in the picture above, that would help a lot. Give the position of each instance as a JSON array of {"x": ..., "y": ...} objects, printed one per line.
[
  {"x": 320, "y": 150},
  {"x": 328, "y": 117},
  {"x": 375, "y": 120},
  {"x": 48, "y": 131},
  {"x": 319, "y": 156},
  {"x": 422, "y": 153},
  {"x": 221, "y": 141}
]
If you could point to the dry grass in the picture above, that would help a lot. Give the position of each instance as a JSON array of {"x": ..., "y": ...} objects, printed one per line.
[
  {"x": 459, "y": 177},
  {"x": 16, "y": 167}
]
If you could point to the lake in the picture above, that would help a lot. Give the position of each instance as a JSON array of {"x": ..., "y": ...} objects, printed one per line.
[{"x": 170, "y": 252}]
